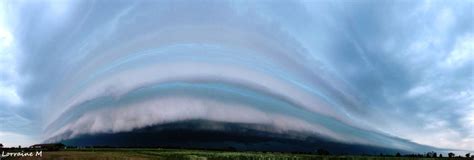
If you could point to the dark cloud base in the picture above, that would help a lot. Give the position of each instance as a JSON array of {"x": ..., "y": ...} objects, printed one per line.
[{"x": 203, "y": 134}]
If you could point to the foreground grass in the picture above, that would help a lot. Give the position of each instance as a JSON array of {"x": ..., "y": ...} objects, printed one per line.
[{"x": 184, "y": 154}]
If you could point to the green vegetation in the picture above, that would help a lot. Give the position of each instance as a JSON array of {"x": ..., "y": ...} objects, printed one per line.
[{"x": 185, "y": 154}]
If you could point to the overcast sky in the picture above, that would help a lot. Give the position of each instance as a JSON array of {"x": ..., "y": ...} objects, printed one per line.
[{"x": 384, "y": 73}]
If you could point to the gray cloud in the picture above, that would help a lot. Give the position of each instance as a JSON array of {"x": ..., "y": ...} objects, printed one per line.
[{"x": 383, "y": 68}]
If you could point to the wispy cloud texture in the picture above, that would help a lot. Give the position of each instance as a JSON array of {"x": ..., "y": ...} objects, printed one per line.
[{"x": 382, "y": 73}]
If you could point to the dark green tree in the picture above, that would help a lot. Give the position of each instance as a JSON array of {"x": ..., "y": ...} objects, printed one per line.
[
  {"x": 451, "y": 155},
  {"x": 431, "y": 154}
]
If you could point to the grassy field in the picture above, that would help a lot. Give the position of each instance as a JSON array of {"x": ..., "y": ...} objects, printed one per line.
[{"x": 182, "y": 154}]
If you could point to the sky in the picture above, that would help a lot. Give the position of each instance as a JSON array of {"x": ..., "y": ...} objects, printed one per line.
[{"x": 382, "y": 73}]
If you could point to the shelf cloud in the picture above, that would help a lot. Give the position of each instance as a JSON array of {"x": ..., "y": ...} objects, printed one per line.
[{"x": 381, "y": 73}]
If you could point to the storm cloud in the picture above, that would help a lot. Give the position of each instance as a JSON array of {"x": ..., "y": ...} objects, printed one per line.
[{"x": 383, "y": 73}]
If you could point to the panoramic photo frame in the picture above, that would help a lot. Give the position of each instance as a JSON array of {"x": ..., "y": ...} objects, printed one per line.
[{"x": 236, "y": 79}]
